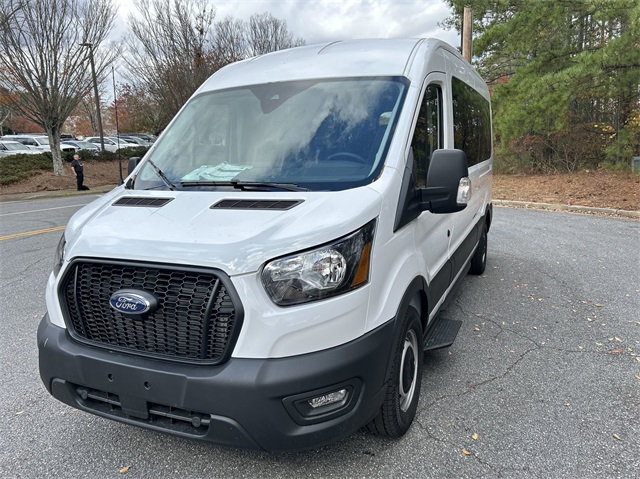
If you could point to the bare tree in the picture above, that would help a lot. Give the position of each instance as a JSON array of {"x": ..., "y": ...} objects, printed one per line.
[
  {"x": 175, "y": 46},
  {"x": 169, "y": 50},
  {"x": 41, "y": 58},
  {"x": 230, "y": 43},
  {"x": 267, "y": 33}
]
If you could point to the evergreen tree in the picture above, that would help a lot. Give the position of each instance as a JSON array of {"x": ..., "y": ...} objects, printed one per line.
[{"x": 565, "y": 76}]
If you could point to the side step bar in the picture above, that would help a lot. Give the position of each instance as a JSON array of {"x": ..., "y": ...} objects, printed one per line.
[{"x": 442, "y": 333}]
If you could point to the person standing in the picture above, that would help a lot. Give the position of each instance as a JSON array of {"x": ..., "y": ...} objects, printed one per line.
[{"x": 76, "y": 166}]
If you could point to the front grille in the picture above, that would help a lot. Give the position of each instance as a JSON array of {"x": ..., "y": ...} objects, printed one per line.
[{"x": 196, "y": 319}]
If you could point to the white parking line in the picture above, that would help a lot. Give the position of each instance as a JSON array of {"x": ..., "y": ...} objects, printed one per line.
[{"x": 44, "y": 209}]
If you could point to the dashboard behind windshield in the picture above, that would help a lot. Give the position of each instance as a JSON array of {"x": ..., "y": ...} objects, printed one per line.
[{"x": 320, "y": 135}]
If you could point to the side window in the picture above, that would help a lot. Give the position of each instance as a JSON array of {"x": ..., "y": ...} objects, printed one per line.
[
  {"x": 471, "y": 122},
  {"x": 427, "y": 136}
]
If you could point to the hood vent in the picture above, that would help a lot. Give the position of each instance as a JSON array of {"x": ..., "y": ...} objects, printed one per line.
[
  {"x": 142, "y": 201},
  {"x": 256, "y": 204}
]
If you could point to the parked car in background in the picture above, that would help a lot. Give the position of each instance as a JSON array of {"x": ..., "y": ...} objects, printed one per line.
[
  {"x": 111, "y": 143},
  {"x": 83, "y": 146},
  {"x": 39, "y": 141},
  {"x": 9, "y": 147},
  {"x": 137, "y": 140},
  {"x": 67, "y": 137},
  {"x": 144, "y": 136}
]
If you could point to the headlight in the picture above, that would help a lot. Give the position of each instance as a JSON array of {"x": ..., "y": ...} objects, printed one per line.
[
  {"x": 331, "y": 269},
  {"x": 59, "y": 257}
]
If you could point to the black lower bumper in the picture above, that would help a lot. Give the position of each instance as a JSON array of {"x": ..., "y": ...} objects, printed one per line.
[{"x": 247, "y": 403}]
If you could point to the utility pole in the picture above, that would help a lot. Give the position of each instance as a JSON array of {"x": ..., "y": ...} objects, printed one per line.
[
  {"x": 95, "y": 91},
  {"x": 467, "y": 33}
]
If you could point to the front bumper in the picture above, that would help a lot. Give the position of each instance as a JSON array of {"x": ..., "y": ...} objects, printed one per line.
[{"x": 246, "y": 403}]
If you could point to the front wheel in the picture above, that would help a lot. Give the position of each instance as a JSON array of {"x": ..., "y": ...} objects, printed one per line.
[
  {"x": 479, "y": 260},
  {"x": 403, "y": 384}
]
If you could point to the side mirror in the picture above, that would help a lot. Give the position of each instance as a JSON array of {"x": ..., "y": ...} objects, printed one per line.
[
  {"x": 133, "y": 162},
  {"x": 448, "y": 187}
]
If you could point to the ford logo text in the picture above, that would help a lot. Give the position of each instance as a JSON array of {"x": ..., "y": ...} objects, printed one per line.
[{"x": 131, "y": 301}]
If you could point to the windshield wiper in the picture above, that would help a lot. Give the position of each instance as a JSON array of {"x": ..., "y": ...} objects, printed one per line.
[
  {"x": 247, "y": 185},
  {"x": 162, "y": 176}
]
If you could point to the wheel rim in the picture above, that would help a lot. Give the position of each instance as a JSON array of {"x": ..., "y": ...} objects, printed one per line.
[{"x": 408, "y": 370}]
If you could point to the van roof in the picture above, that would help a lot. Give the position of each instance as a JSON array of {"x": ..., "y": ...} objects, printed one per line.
[{"x": 351, "y": 58}]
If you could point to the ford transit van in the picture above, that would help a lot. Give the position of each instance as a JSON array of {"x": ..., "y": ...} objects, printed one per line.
[{"x": 271, "y": 271}]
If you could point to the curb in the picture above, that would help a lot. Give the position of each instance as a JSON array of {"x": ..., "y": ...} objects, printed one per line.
[{"x": 572, "y": 208}]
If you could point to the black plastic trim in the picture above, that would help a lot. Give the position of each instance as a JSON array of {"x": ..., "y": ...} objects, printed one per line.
[
  {"x": 242, "y": 398},
  {"x": 408, "y": 207},
  {"x": 279, "y": 205},
  {"x": 142, "y": 201}
]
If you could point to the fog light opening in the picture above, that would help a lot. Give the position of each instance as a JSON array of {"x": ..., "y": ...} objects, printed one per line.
[{"x": 327, "y": 399}]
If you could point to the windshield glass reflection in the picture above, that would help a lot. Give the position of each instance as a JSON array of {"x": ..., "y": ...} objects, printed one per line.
[{"x": 319, "y": 135}]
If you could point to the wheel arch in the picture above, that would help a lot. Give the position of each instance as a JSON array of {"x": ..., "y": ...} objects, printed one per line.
[{"x": 415, "y": 295}]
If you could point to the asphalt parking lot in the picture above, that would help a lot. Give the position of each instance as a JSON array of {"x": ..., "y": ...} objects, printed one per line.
[{"x": 543, "y": 380}]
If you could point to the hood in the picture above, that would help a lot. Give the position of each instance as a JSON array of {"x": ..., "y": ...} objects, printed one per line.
[{"x": 237, "y": 240}]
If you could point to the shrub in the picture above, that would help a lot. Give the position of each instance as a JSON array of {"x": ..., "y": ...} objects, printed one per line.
[{"x": 18, "y": 167}]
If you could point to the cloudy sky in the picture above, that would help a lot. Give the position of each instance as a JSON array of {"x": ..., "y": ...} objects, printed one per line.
[{"x": 318, "y": 21}]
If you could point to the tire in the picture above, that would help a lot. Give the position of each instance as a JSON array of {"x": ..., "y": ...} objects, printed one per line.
[
  {"x": 479, "y": 260},
  {"x": 403, "y": 383}
]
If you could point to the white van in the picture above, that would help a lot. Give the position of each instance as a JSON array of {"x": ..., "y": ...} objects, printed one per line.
[{"x": 270, "y": 273}]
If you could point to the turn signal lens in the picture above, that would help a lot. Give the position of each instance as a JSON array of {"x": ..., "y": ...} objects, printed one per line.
[{"x": 464, "y": 191}]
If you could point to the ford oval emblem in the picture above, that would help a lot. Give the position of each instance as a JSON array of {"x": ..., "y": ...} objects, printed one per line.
[{"x": 131, "y": 301}]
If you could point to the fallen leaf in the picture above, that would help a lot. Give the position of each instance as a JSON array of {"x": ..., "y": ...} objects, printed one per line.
[
  {"x": 599, "y": 344},
  {"x": 617, "y": 351},
  {"x": 638, "y": 377},
  {"x": 590, "y": 319},
  {"x": 581, "y": 347},
  {"x": 474, "y": 436},
  {"x": 19, "y": 412},
  {"x": 476, "y": 329},
  {"x": 466, "y": 453},
  {"x": 618, "y": 339},
  {"x": 567, "y": 404},
  {"x": 124, "y": 469},
  {"x": 615, "y": 436},
  {"x": 599, "y": 305}
]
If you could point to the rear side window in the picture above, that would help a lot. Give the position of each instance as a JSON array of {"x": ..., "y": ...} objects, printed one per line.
[{"x": 471, "y": 122}]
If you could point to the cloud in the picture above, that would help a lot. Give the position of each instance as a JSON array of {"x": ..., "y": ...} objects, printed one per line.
[{"x": 319, "y": 21}]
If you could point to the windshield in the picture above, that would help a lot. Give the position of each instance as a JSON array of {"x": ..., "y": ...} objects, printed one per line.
[
  {"x": 42, "y": 140},
  {"x": 16, "y": 146},
  {"x": 318, "y": 135}
]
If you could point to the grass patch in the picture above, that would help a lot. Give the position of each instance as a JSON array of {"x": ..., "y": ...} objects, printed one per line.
[{"x": 18, "y": 167}]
